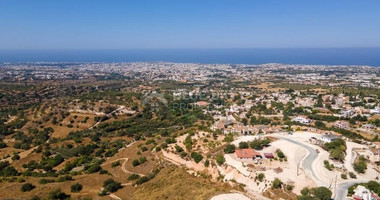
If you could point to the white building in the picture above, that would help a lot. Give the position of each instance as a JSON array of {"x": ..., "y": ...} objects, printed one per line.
[
  {"x": 329, "y": 138},
  {"x": 302, "y": 119}
]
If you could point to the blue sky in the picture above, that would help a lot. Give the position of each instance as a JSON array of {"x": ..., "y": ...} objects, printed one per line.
[{"x": 131, "y": 24}]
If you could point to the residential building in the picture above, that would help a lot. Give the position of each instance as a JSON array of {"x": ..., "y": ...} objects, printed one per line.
[{"x": 342, "y": 125}]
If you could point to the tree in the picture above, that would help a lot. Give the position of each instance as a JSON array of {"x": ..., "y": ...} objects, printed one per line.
[
  {"x": 305, "y": 191},
  {"x": 280, "y": 154},
  {"x": 320, "y": 125},
  {"x": 243, "y": 145},
  {"x": 322, "y": 193},
  {"x": 207, "y": 163},
  {"x": 220, "y": 159},
  {"x": 135, "y": 162},
  {"x": 27, "y": 187},
  {"x": 229, "y": 148},
  {"x": 15, "y": 157},
  {"x": 276, "y": 183},
  {"x": 196, "y": 156},
  {"x": 76, "y": 187},
  {"x": 260, "y": 177},
  {"x": 361, "y": 165},
  {"x": 133, "y": 177},
  {"x": 258, "y": 144},
  {"x": 178, "y": 148},
  {"x": 57, "y": 195},
  {"x": 111, "y": 185}
]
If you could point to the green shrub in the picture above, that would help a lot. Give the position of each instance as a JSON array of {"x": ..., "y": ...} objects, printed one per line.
[
  {"x": 280, "y": 154},
  {"x": 183, "y": 154},
  {"x": 111, "y": 185},
  {"x": 260, "y": 177},
  {"x": 178, "y": 148},
  {"x": 343, "y": 176},
  {"x": 57, "y": 194},
  {"x": 229, "y": 148},
  {"x": 289, "y": 187},
  {"x": 135, "y": 162},
  {"x": 276, "y": 183},
  {"x": 142, "y": 160},
  {"x": 142, "y": 180},
  {"x": 76, "y": 187},
  {"x": 361, "y": 165},
  {"x": 207, "y": 163},
  {"x": 196, "y": 156},
  {"x": 352, "y": 175},
  {"x": 45, "y": 181},
  {"x": 133, "y": 177},
  {"x": 27, "y": 187},
  {"x": 65, "y": 178},
  {"x": 220, "y": 159},
  {"x": 115, "y": 164}
]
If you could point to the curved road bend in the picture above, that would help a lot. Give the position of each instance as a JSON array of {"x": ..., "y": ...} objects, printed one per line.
[
  {"x": 342, "y": 189},
  {"x": 308, "y": 161}
]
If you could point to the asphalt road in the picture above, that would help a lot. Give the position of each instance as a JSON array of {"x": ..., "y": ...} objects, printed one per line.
[
  {"x": 308, "y": 161},
  {"x": 342, "y": 189}
]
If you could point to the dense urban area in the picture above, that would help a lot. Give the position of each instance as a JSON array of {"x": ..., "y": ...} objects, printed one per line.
[{"x": 189, "y": 131}]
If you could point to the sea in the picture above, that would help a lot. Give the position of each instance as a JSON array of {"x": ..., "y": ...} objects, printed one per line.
[{"x": 312, "y": 56}]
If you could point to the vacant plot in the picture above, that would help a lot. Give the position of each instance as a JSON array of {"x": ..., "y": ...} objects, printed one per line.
[{"x": 176, "y": 183}]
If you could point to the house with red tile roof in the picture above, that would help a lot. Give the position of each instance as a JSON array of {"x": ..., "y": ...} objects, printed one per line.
[{"x": 247, "y": 153}]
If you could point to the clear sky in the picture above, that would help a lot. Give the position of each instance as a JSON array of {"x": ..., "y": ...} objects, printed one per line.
[{"x": 131, "y": 24}]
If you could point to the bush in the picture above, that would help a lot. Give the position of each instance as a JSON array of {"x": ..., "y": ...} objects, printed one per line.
[
  {"x": 327, "y": 165},
  {"x": 15, "y": 157},
  {"x": 207, "y": 163},
  {"x": 142, "y": 180},
  {"x": 58, "y": 195},
  {"x": 45, "y": 181},
  {"x": 280, "y": 154},
  {"x": 7, "y": 170},
  {"x": 135, "y": 162},
  {"x": 260, "y": 177},
  {"x": 111, "y": 185},
  {"x": 133, "y": 177},
  {"x": 27, "y": 187},
  {"x": 76, "y": 187},
  {"x": 196, "y": 156},
  {"x": 322, "y": 193},
  {"x": 2, "y": 144},
  {"x": 352, "y": 175},
  {"x": 220, "y": 159},
  {"x": 276, "y": 183},
  {"x": 343, "y": 176},
  {"x": 259, "y": 144},
  {"x": 243, "y": 145},
  {"x": 178, "y": 148},
  {"x": 93, "y": 168},
  {"x": 229, "y": 148},
  {"x": 289, "y": 187},
  {"x": 142, "y": 160},
  {"x": 305, "y": 191},
  {"x": 183, "y": 154},
  {"x": 319, "y": 193},
  {"x": 65, "y": 178},
  {"x": 115, "y": 164},
  {"x": 361, "y": 165}
]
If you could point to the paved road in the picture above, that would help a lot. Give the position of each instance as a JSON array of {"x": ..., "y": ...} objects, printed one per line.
[
  {"x": 342, "y": 189},
  {"x": 308, "y": 161}
]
